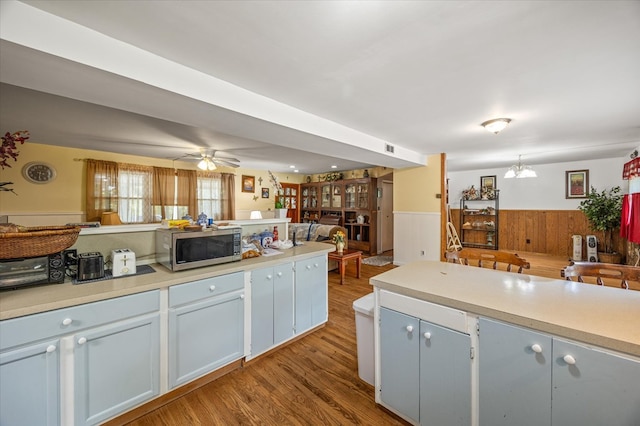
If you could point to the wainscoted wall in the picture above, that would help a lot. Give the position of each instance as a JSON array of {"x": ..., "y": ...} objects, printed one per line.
[
  {"x": 416, "y": 236},
  {"x": 548, "y": 231}
]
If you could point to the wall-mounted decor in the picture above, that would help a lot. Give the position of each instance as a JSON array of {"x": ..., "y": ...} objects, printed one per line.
[
  {"x": 248, "y": 183},
  {"x": 576, "y": 183},
  {"x": 265, "y": 192},
  {"x": 488, "y": 182}
]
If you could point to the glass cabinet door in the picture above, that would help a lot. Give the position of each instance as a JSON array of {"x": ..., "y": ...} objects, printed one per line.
[
  {"x": 313, "y": 197},
  {"x": 350, "y": 196},
  {"x": 326, "y": 196},
  {"x": 363, "y": 196},
  {"x": 336, "y": 198}
]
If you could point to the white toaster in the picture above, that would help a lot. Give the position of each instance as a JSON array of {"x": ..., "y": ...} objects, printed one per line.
[{"x": 124, "y": 262}]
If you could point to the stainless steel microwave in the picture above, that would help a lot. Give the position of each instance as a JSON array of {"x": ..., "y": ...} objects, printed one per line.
[{"x": 179, "y": 250}]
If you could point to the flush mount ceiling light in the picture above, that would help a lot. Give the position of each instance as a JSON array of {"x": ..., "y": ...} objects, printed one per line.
[
  {"x": 206, "y": 164},
  {"x": 520, "y": 171},
  {"x": 496, "y": 125}
]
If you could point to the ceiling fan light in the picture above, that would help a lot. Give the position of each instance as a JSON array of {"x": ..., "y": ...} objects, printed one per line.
[
  {"x": 496, "y": 125},
  {"x": 202, "y": 165}
]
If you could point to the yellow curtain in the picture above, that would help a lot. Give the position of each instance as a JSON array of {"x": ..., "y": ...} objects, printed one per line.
[{"x": 101, "y": 188}]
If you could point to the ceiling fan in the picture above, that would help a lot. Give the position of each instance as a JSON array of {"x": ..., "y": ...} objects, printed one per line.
[{"x": 210, "y": 161}]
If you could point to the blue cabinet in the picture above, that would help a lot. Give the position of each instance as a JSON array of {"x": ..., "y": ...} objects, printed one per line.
[
  {"x": 594, "y": 387},
  {"x": 113, "y": 360},
  {"x": 206, "y": 326},
  {"x": 528, "y": 378},
  {"x": 116, "y": 368},
  {"x": 311, "y": 295},
  {"x": 30, "y": 384},
  {"x": 425, "y": 370},
  {"x": 514, "y": 375},
  {"x": 272, "y": 304}
]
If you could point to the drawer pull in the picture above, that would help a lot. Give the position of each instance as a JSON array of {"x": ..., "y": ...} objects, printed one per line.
[
  {"x": 427, "y": 335},
  {"x": 315, "y": 265},
  {"x": 536, "y": 348},
  {"x": 569, "y": 359},
  {"x": 242, "y": 296},
  {"x": 51, "y": 348},
  {"x": 308, "y": 267},
  {"x": 82, "y": 340},
  {"x": 67, "y": 321},
  {"x": 409, "y": 329},
  {"x": 269, "y": 277},
  {"x": 279, "y": 274},
  {"x": 212, "y": 288}
]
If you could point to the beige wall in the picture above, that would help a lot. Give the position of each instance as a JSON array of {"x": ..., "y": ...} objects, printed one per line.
[
  {"x": 65, "y": 194},
  {"x": 415, "y": 189}
]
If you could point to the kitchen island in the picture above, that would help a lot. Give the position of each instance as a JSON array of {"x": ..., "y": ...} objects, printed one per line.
[
  {"x": 514, "y": 342},
  {"x": 81, "y": 354}
]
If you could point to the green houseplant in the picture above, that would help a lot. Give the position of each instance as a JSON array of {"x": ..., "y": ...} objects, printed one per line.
[{"x": 603, "y": 211}]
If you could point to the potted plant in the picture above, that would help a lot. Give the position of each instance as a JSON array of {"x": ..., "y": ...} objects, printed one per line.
[{"x": 603, "y": 211}]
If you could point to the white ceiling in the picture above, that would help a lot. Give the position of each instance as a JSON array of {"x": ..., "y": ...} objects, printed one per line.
[{"x": 314, "y": 83}]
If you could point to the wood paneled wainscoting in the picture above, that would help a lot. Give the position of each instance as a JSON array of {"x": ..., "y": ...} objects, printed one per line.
[{"x": 543, "y": 231}]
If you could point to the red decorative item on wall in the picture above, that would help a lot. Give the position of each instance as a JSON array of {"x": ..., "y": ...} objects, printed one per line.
[
  {"x": 631, "y": 169},
  {"x": 9, "y": 149}
]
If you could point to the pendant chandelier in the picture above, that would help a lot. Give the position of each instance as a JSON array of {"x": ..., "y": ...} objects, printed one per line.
[
  {"x": 206, "y": 164},
  {"x": 520, "y": 171}
]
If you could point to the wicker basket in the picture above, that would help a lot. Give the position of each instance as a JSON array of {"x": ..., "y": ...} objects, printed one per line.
[{"x": 37, "y": 241}]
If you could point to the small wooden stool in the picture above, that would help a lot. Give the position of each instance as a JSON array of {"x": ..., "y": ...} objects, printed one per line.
[{"x": 344, "y": 258}]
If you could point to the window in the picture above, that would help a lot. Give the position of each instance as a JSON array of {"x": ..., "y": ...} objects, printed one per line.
[{"x": 134, "y": 194}]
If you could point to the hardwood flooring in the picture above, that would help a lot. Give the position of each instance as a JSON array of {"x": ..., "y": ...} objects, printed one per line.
[{"x": 312, "y": 381}]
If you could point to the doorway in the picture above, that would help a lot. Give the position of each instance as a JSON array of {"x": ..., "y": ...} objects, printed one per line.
[{"x": 386, "y": 215}]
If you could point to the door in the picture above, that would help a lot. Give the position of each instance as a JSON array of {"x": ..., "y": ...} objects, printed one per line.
[
  {"x": 445, "y": 376},
  {"x": 386, "y": 217},
  {"x": 514, "y": 376},
  {"x": 289, "y": 197},
  {"x": 261, "y": 310},
  {"x": 29, "y": 385},
  {"x": 116, "y": 367},
  {"x": 310, "y": 293},
  {"x": 283, "y": 303},
  {"x": 205, "y": 335},
  {"x": 400, "y": 362},
  {"x": 594, "y": 387}
]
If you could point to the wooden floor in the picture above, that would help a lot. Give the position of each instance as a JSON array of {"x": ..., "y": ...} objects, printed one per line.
[{"x": 311, "y": 381}]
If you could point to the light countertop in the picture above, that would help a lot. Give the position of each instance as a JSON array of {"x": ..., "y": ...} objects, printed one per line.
[
  {"x": 602, "y": 316},
  {"x": 31, "y": 300}
]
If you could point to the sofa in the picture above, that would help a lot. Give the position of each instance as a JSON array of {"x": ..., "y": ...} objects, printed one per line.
[{"x": 315, "y": 232}]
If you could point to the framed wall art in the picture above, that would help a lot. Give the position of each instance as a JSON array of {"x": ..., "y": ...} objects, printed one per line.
[
  {"x": 248, "y": 183},
  {"x": 488, "y": 182},
  {"x": 577, "y": 183},
  {"x": 265, "y": 192}
]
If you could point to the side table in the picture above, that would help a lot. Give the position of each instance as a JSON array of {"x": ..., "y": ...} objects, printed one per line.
[{"x": 344, "y": 258}]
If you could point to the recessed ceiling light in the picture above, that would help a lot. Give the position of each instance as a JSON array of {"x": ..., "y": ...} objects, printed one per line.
[
  {"x": 292, "y": 167},
  {"x": 333, "y": 166},
  {"x": 296, "y": 171}
]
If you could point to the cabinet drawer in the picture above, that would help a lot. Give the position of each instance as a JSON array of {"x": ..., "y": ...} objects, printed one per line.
[
  {"x": 31, "y": 328},
  {"x": 215, "y": 286},
  {"x": 437, "y": 314}
]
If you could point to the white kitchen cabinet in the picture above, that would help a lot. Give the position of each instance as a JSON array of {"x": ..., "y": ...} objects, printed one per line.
[
  {"x": 30, "y": 384},
  {"x": 116, "y": 367},
  {"x": 114, "y": 361},
  {"x": 272, "y": 304},
  {"x": 529, "y": 378},
  {"x": 425, "y": 370},
  {"x": 206, "y": 326},
  {"x": 311, "y": 297}
]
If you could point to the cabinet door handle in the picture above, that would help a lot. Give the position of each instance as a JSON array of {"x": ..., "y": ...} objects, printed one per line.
[
  {"x": 82, "y": 340},
  {"x": 410, "y": 329},
  {"x": 427, "y": 335},
  {"x": 212, "y": 288},
  {"x": 269, "y": 277},
  {"x": 536, "y": 348},
  {"x": 315, "y": 265},
  {"x": 67, "y": 321},
  {"x": 309, "y": 267},
  {"x": 242, "y": 296},
  {"x": 51, "y": 348},
  {"x": 279, "y": 274},
  {"x": 569, "y": 359}
]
